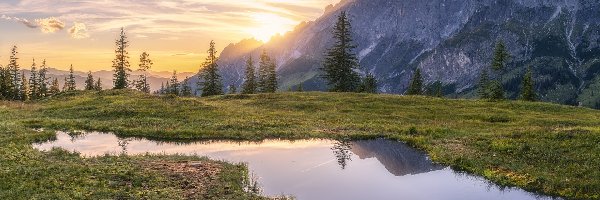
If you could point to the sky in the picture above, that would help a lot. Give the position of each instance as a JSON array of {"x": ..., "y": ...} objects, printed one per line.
[{"x": 175, "y": 33}]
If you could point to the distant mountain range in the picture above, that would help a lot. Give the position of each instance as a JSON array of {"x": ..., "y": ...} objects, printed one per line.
[
  {"x": 451, "y": 41},
  {"x": 155, "y": 78}
]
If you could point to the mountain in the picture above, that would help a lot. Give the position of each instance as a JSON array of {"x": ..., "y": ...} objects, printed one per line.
[{"x": 451, "y": 41}]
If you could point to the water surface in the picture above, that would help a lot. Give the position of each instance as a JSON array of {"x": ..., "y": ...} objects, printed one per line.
[{"x": 317, "y": 169}]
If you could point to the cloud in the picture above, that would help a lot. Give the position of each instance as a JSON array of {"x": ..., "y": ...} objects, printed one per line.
[
  {"x": 23, "y": 21},
  {"x": 46, "y": 25},
  {"x": 79, "y": 31},
  {"x": 50, "y": 25}
]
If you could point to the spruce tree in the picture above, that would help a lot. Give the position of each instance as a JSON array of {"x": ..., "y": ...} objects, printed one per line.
[
  {"x": 70, "y": 80},
  {"x": 340, "y": 61},
  {"x": 54, "y": 87},
  {"x": 438, "y": 89},
  {"x": 98, "y": 85},
  {"x": 162, "y": 88},
  {"x": 501, "y": 56},
  {"x": 528, "y": 87},
  {"x": 483, "y": 87},
  {"x": 145, "y": 65},
  {"x": 249, "y": 86},
  {"x": 369, "y": 84},
  {"x": 2, "y": 85},
  {"x": 43, "y": 80},
  {"x": 186, "y": 90},
  {"x": 300, "y": 87},
  {"x": 24, "y": 89},
  {"x": 65, "y": 85},
  {"x": 174, "y": 84},
  {"x": 499, "y": 62},
  {"x": 121, "y": 62},
  {"x": 232, "y": 89},
  {"x": 210, "y": 73},
  {"x": 416, "y": 84},
  {"x": 89, "y": 82},
  {"x": 34, "y": 85},
  {"x": 267, "y": 75},
  {"x": 13, "y": 75}
]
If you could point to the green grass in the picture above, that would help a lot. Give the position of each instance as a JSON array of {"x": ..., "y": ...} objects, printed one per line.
[{"x": 540, "y": 147}]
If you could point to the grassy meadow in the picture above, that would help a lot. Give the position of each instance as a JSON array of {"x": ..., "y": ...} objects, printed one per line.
[{"x": 540, "y": 147}]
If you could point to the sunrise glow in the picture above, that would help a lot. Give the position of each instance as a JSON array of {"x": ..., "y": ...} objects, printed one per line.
[{"x": 175, "y": 32}]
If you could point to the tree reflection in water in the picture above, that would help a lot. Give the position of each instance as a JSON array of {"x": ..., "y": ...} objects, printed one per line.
[{"x": 341, "y": 150}]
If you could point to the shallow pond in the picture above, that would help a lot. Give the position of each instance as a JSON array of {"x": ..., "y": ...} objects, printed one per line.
[{"x": 317, "y": 169}]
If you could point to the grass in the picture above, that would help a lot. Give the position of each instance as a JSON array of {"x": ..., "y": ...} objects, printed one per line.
[{"x": 540, "y": 147}]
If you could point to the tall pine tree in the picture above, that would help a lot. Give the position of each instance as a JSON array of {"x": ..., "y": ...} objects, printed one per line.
[
  {"x": 210, "y": 73},
  {"x": 98, "y": 85},
  {"x": 2, "y": 84},
  {"x": 13, "y": 75},
  {"x": 43, "y": 80},
  {"x": 340, "y": 61},
  {"x": 89, "y": 82},
  {"x": 528, "y": 87},
  {"x": 145, "y": 65},
  {"x": 121, "y": 62},
  {"x": 70, "y": 84},
  {"x": 483, "y": 87},
  {"x": 174, "y": 85},
  {"x": 369, "y": 84},
  {"x": 267, "y": 76},
  {"x": 499, "y": 62},
  {"x": 34, "y": 86},
  {"x": 416, "y": 84},
  {"x": 186, "y": 90},
  {"x": 54, "y": 87},
  {"x": 249, "y": 86},
  {"x": 24, "y": 89}
]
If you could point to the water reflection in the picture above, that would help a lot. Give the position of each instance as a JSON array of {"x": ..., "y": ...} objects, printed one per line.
[
  {"x": 342, "y": 151},
  {"x": 316, "y": 169}
]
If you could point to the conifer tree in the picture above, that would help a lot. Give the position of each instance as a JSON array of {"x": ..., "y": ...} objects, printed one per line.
[
  {"x": 34, "y": 86},
  {"x": 2, "y": 85},
  {"x": 210, "y": 73},
  {"x": 13, "y": 75},
  {"x": 167, "y": 88},
  {"x": 249, "y": 86},
  {"x": 501, "y": 57},
  {"x": 65, "y": 85},
  {"x": 54, "y": 87},
  {"x": 70, "y": 81},
  {"x": 267, "y": 75},
  {"x": 340, "y": 61},
  {"x": 369, "y": 84},
  {"x": 438, "y": 89},
  {"x": 121, "y": 62},
  {"x": 43, "y": 80},
  {"x": 416, "y": 84},
  {"x": 528, "y": 88},
  {"x": 300, "y": 87},
  {"x": 186, "y": 90},
  {"x": 483, "y": 87},
  {"x": 174, "y": 89},
  {"x": 24, "y": 89},
  {"x": 89, "y": 82},
  {"x": 232, "y": 89},
  {"x": 98, "y": 85},
  {"x": 145, "y": 65},
  {"x": 162, "y": 88}
]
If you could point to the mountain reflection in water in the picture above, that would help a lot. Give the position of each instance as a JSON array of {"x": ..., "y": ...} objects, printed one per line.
[{"x": 315, "y": 169}]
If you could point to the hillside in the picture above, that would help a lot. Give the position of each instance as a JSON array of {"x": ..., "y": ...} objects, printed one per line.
[
  {"x": 451, "y": 42},
  {"x": 537, "y": 146}
]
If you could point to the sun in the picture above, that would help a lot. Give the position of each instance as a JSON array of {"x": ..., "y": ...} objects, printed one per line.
[{"x": 267, "y": 25}]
